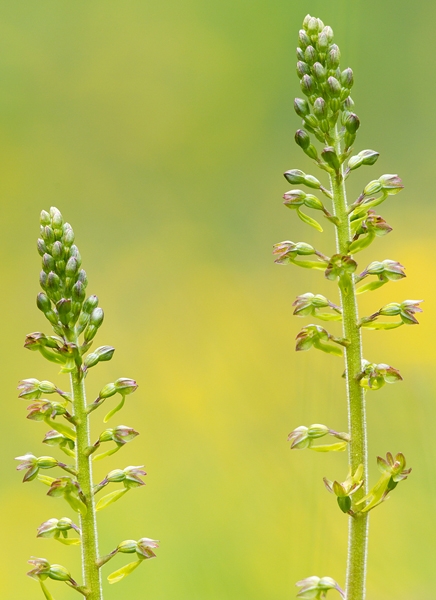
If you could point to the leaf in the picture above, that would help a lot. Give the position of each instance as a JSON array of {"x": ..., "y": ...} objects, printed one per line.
[
  {"x": 76, "y": 504},
  {"x": 309, "y": 221},
  {"x": 45, "y": 591},
  {"x": 328, "y": 348},
  {"x": 61, "y": 428},
  {"x": 118, "y": 575},
  {"x": 311, "y": 264},
  {"x": 370, "y": 287},
  {"x": 329, "y": 316},
  {"x": 45, "y": 479},
  {"x": 114, "y": 410},
  {"x": 107, "y": 453},
  {"x": 381, "y": 325},
  {"x": 338, "y": 447},
  {"x": 110, "y": 498},
  {"x": 361, "y": 243},
  {"x": 69, "y": 541}
]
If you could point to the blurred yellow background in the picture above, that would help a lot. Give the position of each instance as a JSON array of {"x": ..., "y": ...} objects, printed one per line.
[{"x": 161, "y": 131}]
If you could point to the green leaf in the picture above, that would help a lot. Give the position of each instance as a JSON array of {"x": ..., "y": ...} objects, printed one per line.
[
  {"x": 69, "y": 541},
  {"x": 329, "y": 316},
  {"x": 361, "y": 243},
  {"x": 45, "y": 591},
  {"x": 110, "y": 498},
  {"x": 61, "y": 428},
  {"x": 114, "y": 410},
  {"x": 311, "y": 264},
  {"x": 337, "y": 447},
  {"x": 107, "y": 453},
  {"x": 76, "y": 504},
  {"x": 328, "y": 348},
  {"x": 381, "y": 325},
  {"x": 309, "y": 221},
  {"x": 118, "y": 575},
  {"x": 45, "y": 479},
  {"x": 344, "y": 503},
  {"x": 370, "y": 287}
]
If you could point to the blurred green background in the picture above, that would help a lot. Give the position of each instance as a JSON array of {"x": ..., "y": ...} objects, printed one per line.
[{"x": 161, "y": 131}]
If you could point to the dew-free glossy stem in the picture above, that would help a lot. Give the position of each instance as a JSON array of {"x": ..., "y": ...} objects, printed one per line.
[
  {"x": 358, "y": 525},
  {"x": 88, "y": 523}
]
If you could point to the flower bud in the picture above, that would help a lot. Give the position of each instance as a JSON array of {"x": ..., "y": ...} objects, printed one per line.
[
  {"x": 333, "y": 57},
  {"x": 334, "y": 87},
  {"x": 347, "y": 78},
  {"x": 352, "y": 123},
  {"x": 320, "y": 108},
  {"x": 301, "y": 107},
  {"x": 125, "y": 386},
  {"x": 304, "y": 39},
  {"x": 44, "y": 218},
  {"x": 366, "y": 157},
  {"x": 307, "y": 85},
  {"x": 127, "y": 547},
  {"x": 294, "y": 198},
  {"x": 107, "y": 391},
  {"x": 102, "y": 354},
  {"x": 48, "y": 263},
  {"x": 43, "y": 303},
  {"x": 391, "y": 184},
  {"x": 310, "y": 55},
  {"x": 319, "y": 72},
  {"x": 57, "y": 250},
  {"x": 302, "y": 69},
  {"x": 302, "y": 139},
  {"x": 97, "y": 317},
  {"x": 78, "y": 293},
  {"x": 331, "y": 158},
  {"x": 71, "y": 267},
  {"x": 90, "y": 303}
]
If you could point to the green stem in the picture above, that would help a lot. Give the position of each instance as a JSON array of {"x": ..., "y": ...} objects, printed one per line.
[
  {"x": 88, "y": 522},
  {"x": 358, "y": 525}
]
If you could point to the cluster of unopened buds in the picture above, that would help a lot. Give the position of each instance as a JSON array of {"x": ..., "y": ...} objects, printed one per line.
[
  {"x": 75, "y": 320},
  {"x": 327, "y": 113}
]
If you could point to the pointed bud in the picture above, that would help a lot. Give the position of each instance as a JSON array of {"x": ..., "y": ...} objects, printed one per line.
[{"x": 301, "y": 107}]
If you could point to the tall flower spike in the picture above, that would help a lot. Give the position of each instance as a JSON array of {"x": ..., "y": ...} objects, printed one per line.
[
  {"x": 75, "y": 319},
  {"x": 327, "y": 114}
]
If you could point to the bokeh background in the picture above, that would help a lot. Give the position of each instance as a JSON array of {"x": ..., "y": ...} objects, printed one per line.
[{"x": 161, "y": 130}]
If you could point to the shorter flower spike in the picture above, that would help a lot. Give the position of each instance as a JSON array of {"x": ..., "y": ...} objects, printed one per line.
[
  {"x": 374, "y": 376},
  {"x": 343, "y": 491},
  {"x": 303, "y": 437},
  {"x": 316, "y": 588}
]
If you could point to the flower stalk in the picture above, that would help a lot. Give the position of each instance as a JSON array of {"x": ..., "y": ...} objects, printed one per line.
[
  {"x": 327, "y": 113},
  {"x": 75, "y": 320}
]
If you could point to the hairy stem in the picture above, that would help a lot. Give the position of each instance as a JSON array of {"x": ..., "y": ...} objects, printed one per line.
[
  {"x": 88, "y": 522},
  {"x": 358, "y": 525}
]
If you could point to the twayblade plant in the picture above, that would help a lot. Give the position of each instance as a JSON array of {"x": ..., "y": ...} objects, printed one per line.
[
  {"x": 75, "y": 320},
  {"x": 328, "y": 115}
]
